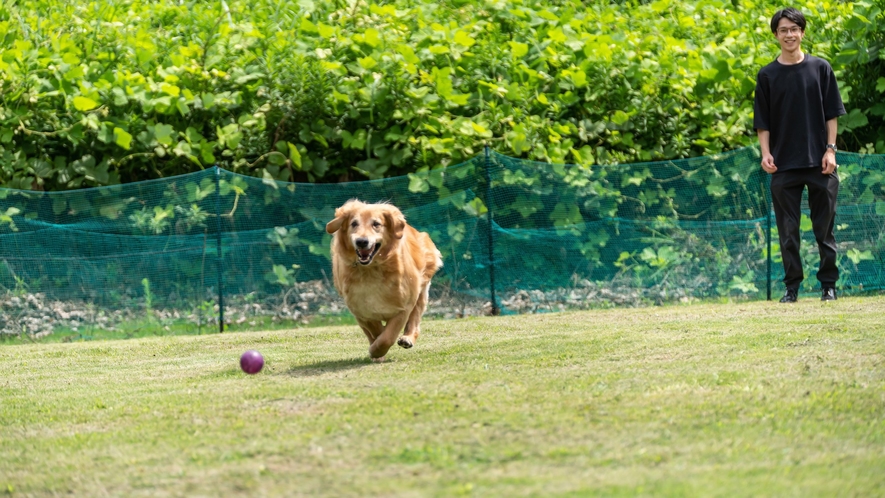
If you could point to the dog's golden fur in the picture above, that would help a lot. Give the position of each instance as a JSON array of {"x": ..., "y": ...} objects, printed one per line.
[{"x": 382, "y": 268}]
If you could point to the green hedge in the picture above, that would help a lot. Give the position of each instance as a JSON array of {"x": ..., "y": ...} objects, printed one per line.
[{"x": 99, "y": 93}]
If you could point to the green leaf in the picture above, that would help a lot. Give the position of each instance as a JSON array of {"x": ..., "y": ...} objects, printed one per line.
[
  {"x": 182, "y": 107},
  {"x": 6, "y": 218},
  {"x": 805, "y": 224},
  {"x": 408, "y": 54},
  {"x": 518, "y": 50},
  {"x": 229, "y": 136},
  {"x": 325, "y": 30},
  {"x": 120, "y": 98},
  {"x": 122, "y": 138},
  {"x": 566, "y": 214},
  {"x": 663, "y": 257},
  {"x": 308, "y": 26},
  {"x": 854, "y": 119},
  {"x": 417, "y": 184},
  {"x": 105, "y": 133},
  {"x": 268, "y": 179},
  {"x": 84, "y": 103},
  {"x": 193, "y": 135},
  {"x": 207, "y": 152},
  {"x": 184, "y": 149},
  {"x": 660, "y": 5},
  {"x": 198, "y": 192},
  {"x": 372, "y": 37},
  {"x": 171, "y": 90},
  {"x": 463, "y": 38},
  {"x": 856, "y": 256},
  {"x": 600, "y": 50},
  {"x": 42, "y": 169},
  {"x": 619, "y": 117},
  {"x": 282, "y": 275},
  {"x": 556, "y": 35},
  {"x": 476, "y": 207},
  {"x": 114, "y": 209},
  {"x": 459, "y": 99},
  {"x": 550, "y": 16},
  {"x": 356, "y": 141},
  {"x": 208, "y": 100},
  {"x": 743, "y": 285},
  {"x": 579, "y": 78},
  {"x": 163, "y": 133},
  {"x": 294, "y": 155}
]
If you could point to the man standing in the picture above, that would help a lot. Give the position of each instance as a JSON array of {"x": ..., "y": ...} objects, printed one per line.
[{"x": 795, "y": 111}]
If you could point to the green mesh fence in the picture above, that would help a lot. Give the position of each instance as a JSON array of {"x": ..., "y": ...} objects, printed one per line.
[{"x": 185, "y": 254}]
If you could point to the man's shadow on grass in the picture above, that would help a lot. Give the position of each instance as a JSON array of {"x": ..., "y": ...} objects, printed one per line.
[{"x": 325, "y": 367}]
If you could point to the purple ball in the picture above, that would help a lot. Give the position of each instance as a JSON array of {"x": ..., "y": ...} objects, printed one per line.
[{"x": 251, "y": 362}]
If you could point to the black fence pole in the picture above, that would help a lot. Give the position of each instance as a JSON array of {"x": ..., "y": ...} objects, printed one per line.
[
  {"x": 491, "y": 238},
  {"x": 218, "y": 265}
]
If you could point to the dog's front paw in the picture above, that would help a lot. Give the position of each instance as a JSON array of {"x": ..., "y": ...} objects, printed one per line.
[
  {"x": 379, "y": 360},
  {"x": 405, "y": 342}
]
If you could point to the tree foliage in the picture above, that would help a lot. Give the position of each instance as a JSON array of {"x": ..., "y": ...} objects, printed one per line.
[{"x": 106, "y": 92}]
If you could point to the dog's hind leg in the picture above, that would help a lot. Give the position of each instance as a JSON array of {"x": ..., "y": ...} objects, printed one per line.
[
  {"x": 372, "y": 329},
  {"x": 413, "y": 326}
]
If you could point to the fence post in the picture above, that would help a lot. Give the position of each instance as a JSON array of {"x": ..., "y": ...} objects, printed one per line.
[
  {"x": 491, "y": 239},
  {"x": 218, "y": 265}
]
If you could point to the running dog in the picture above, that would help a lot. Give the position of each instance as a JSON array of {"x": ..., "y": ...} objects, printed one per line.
[{"x": 382, "y": 268}]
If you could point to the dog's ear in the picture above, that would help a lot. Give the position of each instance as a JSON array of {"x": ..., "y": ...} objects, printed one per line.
[
  {"x": 334, "y": 225},
  {"x": 396, "y": 221},
  {"x": 341, "y": 214}
]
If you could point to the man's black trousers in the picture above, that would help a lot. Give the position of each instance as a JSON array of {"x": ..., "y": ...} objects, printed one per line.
[{"x": 786, "y": 194}]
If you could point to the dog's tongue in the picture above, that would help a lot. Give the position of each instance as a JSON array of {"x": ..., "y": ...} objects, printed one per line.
[{"x": 364, "y": 254}]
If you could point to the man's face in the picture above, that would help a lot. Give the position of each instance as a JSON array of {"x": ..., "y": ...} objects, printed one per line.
[{"x": 789, "y": 34}]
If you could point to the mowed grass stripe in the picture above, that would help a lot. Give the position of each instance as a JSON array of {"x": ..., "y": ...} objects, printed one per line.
[{"x": 743, "y": 399}]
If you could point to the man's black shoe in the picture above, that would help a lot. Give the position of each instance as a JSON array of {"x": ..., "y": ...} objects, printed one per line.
[
  {"x": 791, "y": 296},
  {"x": 829, "y": 294}
]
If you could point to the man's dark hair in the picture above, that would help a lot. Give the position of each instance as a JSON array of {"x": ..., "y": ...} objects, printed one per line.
[{"x": 791, "y": 14}]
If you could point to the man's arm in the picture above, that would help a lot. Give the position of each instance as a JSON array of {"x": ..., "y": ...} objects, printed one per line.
[
  {"x": 828, "y": 163},
  {"x": 767, "y": 158}
]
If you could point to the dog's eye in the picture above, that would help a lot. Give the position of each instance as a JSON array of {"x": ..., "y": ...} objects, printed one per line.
[
  {"x": 354, "y": 224},
  {"x": 376, "y": 224}
]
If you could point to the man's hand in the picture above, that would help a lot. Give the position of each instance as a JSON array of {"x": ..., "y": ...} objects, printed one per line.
[
  {"x": 768, "y": 163},
  {"x": 828, "y": 164}
]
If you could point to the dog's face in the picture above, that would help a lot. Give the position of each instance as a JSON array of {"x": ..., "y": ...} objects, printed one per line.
[{"x": 366, "y": 229}]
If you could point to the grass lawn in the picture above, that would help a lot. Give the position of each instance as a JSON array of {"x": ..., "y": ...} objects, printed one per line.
[{"x": 749, "y": 399}]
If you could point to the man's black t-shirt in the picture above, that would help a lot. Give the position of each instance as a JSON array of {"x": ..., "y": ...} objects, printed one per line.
[{"x": 794, "y": 103}]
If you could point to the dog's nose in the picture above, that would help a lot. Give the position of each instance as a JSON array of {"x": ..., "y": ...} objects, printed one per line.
[{"x": 362, "y": 243}]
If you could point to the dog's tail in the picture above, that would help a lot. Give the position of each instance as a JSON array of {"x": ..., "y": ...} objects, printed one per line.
[{"x": 433, "y": 258}]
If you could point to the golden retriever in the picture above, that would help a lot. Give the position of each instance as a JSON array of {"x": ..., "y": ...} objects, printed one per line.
[{"x": 382, "y": 268}]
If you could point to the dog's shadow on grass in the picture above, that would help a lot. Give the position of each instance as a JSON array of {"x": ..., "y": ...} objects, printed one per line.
[{"x": 324, "y": 367}]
